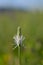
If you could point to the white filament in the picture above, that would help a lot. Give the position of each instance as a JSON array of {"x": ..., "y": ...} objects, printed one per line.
[{"x": 18, "y": 39}]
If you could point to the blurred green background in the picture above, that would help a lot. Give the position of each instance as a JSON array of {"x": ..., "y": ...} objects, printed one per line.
[{"x": 32, "y": 28}]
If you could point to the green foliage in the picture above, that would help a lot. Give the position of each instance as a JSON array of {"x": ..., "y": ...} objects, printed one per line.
[{"x": 32, "y": 29}]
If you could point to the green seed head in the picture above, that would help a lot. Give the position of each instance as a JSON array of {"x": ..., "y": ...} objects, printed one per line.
[{"x": 19, "y": 31}]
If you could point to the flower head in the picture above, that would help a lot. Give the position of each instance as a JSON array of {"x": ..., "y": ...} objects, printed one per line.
[{"x": 18, "y": 39}]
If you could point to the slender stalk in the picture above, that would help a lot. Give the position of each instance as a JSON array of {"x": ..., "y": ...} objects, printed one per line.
[
  {"x": 18, "y": 39},
  {"x": 19, "y": 55},
  {"x": 19, "y": 48}
]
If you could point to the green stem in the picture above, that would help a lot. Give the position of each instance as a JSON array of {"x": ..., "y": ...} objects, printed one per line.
[{"x": 19, "y": 55}]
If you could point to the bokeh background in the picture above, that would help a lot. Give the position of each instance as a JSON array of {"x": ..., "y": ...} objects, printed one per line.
[{"x": 28, "y": 14}]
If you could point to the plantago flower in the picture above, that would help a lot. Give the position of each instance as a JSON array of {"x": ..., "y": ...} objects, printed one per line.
[{"x": 18, "y": 38}]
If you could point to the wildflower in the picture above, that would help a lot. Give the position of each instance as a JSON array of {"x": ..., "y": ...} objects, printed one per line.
[{"x": 18, "y": 38}]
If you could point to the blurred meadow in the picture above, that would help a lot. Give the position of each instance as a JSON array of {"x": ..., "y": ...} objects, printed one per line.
[{"x": 32, "y": 28}]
